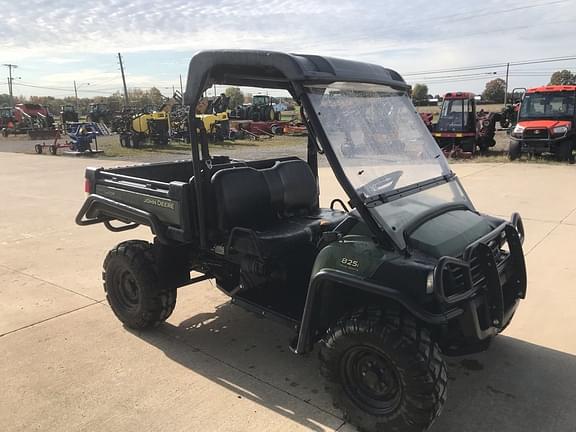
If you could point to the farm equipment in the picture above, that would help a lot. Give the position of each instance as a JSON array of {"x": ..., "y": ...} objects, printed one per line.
[
  {"x": 151, "y": 127},
  {"x": 33, "y": 119},
  {"x": 7, "y": 120},
  {"x": 461, "y": 129},
  {"x": 80, "y": 134},
  {"x": 212, "y": 114},
  {"x": 546, "y": 123},
  {"x": 217, "y": 126},
  {"x": 68, "y": 114},
  {"x": 265, "y": 129},
  {"x": 261, "y": 109},
  {"x": 412, "y": 271},
  {"x": 99, "y": 113}
]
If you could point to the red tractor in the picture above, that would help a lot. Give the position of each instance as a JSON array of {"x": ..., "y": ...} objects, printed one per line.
[
  {"x": 461, "y": 129},
  {"x": 546, "y": 123}
]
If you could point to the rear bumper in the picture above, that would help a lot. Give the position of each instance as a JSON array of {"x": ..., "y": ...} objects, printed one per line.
[{"x": 491, "y": 279}]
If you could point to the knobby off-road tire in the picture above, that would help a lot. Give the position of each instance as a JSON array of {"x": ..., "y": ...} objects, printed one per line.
[
  {"x": 384, "y": 372},
  {"x": 564, "y": 151},
  {"x": 514, "y": 150},
  {"x": 133, "y": 287}
]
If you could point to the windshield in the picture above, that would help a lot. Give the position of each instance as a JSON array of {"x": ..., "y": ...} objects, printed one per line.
[
  {"x": 547, "y": 105},
  {"x": 260, "y": 100},
  {"x": 455, "y": 115},
  {"x": 382, "y": 145},
  {"x": 6, "y": 112},
  {"x": 377, "y": 136}
]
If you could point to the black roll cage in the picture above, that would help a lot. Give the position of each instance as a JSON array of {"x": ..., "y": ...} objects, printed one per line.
[{"x": 289, "y": 72}]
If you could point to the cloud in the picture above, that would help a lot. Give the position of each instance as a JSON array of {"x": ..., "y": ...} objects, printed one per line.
[{"x": 407, "y": 36}]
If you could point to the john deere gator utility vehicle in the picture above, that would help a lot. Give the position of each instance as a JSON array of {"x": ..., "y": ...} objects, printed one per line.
[{"x": 413, "y": 271}]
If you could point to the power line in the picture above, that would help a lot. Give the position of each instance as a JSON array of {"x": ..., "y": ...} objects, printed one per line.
[
  {"x": 67, "y": 90},
  {"x": 436, "y": 19},
  {"x": 492, "y": 66}
]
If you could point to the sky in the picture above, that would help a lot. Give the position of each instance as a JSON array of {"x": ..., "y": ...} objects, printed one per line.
[{"x": 55, "y": 43}]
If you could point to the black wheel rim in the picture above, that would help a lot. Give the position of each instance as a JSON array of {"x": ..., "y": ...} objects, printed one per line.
[
  {"x": 126, "y": 291},
  {"x": 371, "y": 380}
]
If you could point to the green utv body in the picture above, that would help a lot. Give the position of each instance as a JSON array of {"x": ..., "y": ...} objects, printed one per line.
[{"x": 412, "y": 272}]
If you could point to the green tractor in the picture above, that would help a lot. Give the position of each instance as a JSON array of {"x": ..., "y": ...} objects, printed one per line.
[
  {"x": 261, "y": 110},
  {"x": 68, "y": 114},
  {"x": 99, "y": 113}
]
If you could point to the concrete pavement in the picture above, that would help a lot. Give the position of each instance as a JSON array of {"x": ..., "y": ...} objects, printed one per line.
[{"x": 67, "y": 364}]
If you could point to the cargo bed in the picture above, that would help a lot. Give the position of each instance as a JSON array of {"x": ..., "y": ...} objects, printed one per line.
[{"x": 158, "y": 195}]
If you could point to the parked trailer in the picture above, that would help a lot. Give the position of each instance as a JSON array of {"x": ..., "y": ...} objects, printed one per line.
[{"x": 80, "y": 134}]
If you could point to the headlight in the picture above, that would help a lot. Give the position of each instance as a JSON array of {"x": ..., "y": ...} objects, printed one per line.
[
  {"x": 559, "y": 130},
  {"x": 518, "y": 130},
  {"x": 486, "y": 123},
  {"x": 430, "y": 283}
]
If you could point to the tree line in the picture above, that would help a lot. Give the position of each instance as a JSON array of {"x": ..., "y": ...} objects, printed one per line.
[
  {"x": 138, "y": 98},
  {"x": 495, "y": 89}
]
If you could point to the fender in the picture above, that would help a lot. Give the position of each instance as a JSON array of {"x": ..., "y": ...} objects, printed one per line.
[{"x": 303, "y": 344}]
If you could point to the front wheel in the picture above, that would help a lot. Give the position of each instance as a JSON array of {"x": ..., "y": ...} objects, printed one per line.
[
  {"x": 564, "y": 151},
  {"x": 134, "y": 290},
  {"x": 514, "y": 150},
  {"x": 384, "y": 371}
]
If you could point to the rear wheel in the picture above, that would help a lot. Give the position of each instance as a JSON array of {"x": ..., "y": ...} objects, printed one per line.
[
  {"x": 384, "y": 371},
  {"x": 124, "y": 140},
  {"x": 269, "y": 113},
  {"x": 38, "y": 148},
  {"x": 133, "y": 287},
  {"x": 514, "y": 150}
]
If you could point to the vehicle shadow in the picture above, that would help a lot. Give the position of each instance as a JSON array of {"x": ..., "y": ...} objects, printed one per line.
[
  {"x": 515, "y": 386},
  {"x": 249, "y": 356}
]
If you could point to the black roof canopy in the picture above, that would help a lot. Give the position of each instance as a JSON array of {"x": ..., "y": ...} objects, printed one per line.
[{"x": 272, "y": 69}]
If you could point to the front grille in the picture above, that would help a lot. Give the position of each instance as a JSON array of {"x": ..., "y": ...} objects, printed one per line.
[
  {"x": 454, "y": 280},
  {"x": 454, "y": 277},
  {"x": 536, "y": 133}
]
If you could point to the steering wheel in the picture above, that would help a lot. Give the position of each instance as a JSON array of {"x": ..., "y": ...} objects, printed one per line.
[{"x": 381, "y": 184}]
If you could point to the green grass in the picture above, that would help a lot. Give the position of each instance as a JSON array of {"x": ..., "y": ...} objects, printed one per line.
[{"x": 112, "y": 148}]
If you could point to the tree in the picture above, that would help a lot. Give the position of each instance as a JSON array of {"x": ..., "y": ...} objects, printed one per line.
[
  {"x": 236, "y": 96},
  {"x": 4, "y": 100},
  {"x": 419, "y": 92},
  {"x": 494, "y": 91},
  {"x": 563, "y": 77},
  {"x": 156, "y": 97}
]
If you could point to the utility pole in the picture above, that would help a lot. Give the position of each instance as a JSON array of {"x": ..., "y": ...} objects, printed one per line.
[
  {"x": 181, "y": 90},
  {"x": 10, "y": 80},
  {"x": 123, "y": 81},
  {"x": 506, "y": 89},
  {"x": 76, "y": 96}
]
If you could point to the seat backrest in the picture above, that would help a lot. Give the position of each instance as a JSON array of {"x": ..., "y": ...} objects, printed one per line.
[
  {"x": 299, "y": 188},
  {"x": 254, "y": 198},
  {"x": 242, "y": 198}
]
